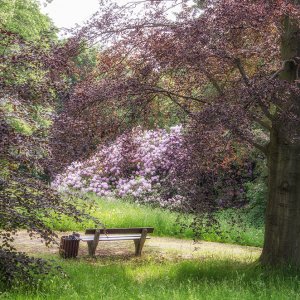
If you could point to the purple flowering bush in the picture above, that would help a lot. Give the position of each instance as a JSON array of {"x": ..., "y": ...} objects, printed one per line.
[{"x": 143, "y": 165}]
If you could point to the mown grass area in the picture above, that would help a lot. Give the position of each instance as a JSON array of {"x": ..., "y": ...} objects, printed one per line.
[
  {"x": 150, "y": 278},
  {"x": 118, "y": 213}
]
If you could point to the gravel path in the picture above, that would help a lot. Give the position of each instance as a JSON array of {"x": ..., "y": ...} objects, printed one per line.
[{"x": 171, "y": 248}]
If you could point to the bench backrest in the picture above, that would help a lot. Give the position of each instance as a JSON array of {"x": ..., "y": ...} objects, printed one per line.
[{"x": 120, "y": 230}]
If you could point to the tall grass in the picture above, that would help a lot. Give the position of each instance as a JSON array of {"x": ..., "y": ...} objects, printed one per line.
[
  {"x": 236, "y": 227},
  {"x": 144, "y": 279},
  {"x": 118, "y": 213}
]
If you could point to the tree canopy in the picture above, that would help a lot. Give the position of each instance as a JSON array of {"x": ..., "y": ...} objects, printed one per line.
[
  {"x": 25, "y": 18},
  {"x": 232, "y": 67}
]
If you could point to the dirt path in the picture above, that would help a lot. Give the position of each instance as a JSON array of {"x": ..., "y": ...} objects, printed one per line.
[{"x": 157, "y": 246}]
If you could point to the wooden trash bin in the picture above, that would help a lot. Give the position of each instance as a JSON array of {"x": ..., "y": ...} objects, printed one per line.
[{"x": 69, "y": 246}]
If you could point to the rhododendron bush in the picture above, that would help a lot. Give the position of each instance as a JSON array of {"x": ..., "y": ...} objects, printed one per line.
[
  {"x": 139, "y": 164},
  {"x": 158, "y": 167}
]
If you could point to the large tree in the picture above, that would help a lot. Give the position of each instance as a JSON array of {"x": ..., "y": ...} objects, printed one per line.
[
  {"x": 232, "y": 66},
  {"x": 282, "y": 233}
]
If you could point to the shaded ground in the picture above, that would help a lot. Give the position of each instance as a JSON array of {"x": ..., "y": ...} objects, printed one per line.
[{"x": 169, "y": 248}]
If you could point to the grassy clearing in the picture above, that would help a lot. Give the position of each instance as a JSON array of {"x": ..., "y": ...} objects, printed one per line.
[
  {"x": 117, "y": 213},
  {"x": 167, "y": 270},
  {"x": 153, "y": 278}
]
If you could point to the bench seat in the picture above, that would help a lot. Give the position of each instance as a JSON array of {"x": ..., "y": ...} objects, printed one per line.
[
  {"x": 86, "y": 238},
  {"x": 138, "y": 235}
]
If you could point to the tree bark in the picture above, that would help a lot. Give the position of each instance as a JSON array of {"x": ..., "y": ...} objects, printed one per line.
[{"x": 282, "y": 231}]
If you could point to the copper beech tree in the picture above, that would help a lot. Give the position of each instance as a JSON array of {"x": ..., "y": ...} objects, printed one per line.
[{"x": 232, "y": 66}]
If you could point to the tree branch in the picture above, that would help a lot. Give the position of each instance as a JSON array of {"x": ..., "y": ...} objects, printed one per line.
[
  {"x": 265, "y": 109},
  {"x": 249, "y": 140},
  {"x": 213, "y": 81},
  {"x": 258, "y": 146},
  {"x": 283, "y": 67},
  {"x": 180, "y": 105},
  {"x": 261, "y": 122},
  {"x": 242, "y": 71},
  {"x": 164, "y": 91}
]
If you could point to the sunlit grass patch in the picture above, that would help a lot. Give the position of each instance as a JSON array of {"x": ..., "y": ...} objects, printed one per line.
[
  {"x": 117, "y": 213},
  {"x": 160, "y": 279}
]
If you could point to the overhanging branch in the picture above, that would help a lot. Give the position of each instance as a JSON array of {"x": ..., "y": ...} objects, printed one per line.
[{"x": 242, "y": 71}]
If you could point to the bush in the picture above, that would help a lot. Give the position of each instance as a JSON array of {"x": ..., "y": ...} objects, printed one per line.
[
  {"x": 158, "y": 167},
  {"x": 139, "y": 164},
  {"x": 256, "y": 194}
]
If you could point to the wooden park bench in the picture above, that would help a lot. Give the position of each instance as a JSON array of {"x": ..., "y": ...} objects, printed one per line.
[{"x": 138, "y": 235}]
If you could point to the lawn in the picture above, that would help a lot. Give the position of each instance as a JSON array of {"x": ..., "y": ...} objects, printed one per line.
[
  {"x": 168, "y": 269},
  {"x": 156, "y": 278}
]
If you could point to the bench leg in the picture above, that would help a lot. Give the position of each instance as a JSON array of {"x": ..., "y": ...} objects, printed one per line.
[
  {"x": 90, "y": 248},
  {"x": 92, "y": 245},
  {"x": 139, "y": 244}
]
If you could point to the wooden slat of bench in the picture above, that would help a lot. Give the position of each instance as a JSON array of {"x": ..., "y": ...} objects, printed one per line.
[
  {"x": 91, "y": 236},
  {"x": 120, "y": 230},
  {"x": 111, "y": 238},
  {"x": 113, "y": 235}
]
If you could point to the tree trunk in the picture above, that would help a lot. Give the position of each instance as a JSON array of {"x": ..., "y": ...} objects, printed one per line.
[{"x": 282, "y": 233}]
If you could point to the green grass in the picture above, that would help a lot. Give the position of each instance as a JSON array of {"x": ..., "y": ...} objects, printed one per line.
[
  {"x": 210, "y": 276},
  {"x": 151, "y": 278},
  {"x": 236, "y": 228},
  {"x": 117, "y": 213}
]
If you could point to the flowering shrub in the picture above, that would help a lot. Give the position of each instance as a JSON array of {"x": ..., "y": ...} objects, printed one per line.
[
  {"x": 162, "y": 167},
  {"x": 140, "y": 164}
]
